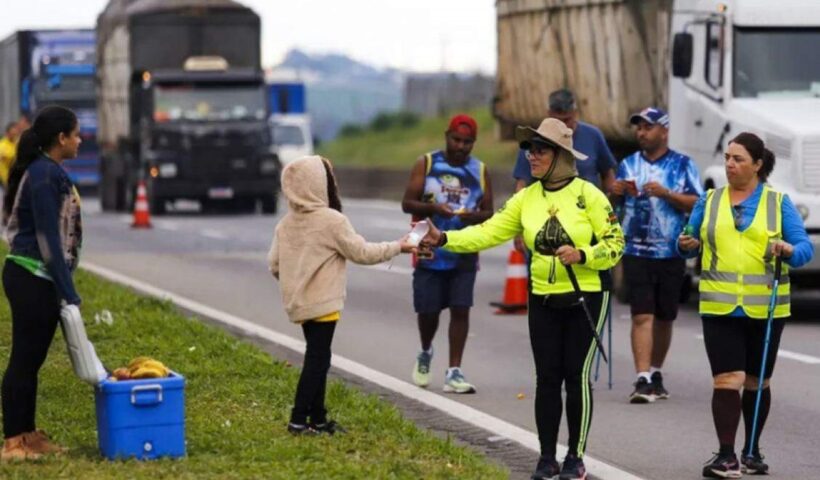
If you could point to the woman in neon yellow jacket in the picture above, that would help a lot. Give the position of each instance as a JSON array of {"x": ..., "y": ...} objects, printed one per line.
[{"x": 565, "y": 221}]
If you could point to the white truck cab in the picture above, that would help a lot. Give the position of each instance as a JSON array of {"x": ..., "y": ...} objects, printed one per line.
[
  {"x": 751, "y": 65},
  {"x": 292, "y": 137}
]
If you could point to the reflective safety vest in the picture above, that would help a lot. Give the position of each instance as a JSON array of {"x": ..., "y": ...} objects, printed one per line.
[{"x": 738, "y": 267}]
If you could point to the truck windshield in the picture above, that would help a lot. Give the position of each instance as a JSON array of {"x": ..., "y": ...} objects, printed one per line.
[
  {"x": 208, "y": 102},
  {"x": 776, "y": 62},
  {"x": 288, "y": 135}
]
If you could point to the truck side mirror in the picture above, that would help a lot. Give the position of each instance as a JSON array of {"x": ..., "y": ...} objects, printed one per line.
[{"x": 682, "y": 49}]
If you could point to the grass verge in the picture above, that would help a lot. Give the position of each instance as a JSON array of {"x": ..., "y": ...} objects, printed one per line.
[
  {"x": 398, "y": 148},
  {"x": 237, "y": 404}
]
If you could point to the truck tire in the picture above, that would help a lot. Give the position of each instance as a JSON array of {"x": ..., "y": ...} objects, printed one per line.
[{"x": 269, "y": 205}]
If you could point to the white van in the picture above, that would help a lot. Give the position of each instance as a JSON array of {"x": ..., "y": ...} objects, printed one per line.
[{"x": 292, "y": 137}]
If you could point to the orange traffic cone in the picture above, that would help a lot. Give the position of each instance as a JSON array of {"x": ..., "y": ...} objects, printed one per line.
[
  {"x": 515, "y": 289},
  {"x": 142, "y": 217}
]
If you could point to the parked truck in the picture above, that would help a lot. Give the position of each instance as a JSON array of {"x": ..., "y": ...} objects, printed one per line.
[
  {"x": 46, "y": 67},
  {"x": 289, "y": 121},
  {"x": 721, "y": 67},
  {"x": 183, "y": 105}
]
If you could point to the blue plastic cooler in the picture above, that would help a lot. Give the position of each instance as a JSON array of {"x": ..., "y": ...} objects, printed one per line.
[{"x": 141, "y": 418}]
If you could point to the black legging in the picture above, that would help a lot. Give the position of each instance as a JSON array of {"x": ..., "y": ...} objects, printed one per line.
[
  {"x": 563, "y": 348},
  {"x": 310, "y": 392},
  {"x": 35, "y": 312}
]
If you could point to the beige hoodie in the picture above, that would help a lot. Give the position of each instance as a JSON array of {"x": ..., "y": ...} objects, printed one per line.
[{"x": 312, "y": 242}]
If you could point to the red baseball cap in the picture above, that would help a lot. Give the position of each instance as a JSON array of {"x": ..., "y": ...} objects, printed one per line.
[{"x": 464, "y": 124}]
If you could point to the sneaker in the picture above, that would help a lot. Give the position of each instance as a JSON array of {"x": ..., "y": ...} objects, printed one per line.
[
  {"x": 328, "y": 428},
  {"x": 644, "y": 393},
  {"x": 421, "y": 372},
  {"x": 657, "y": 386},
  {"x": 18, "y": 448},
  {"x": 573, "y": 468},
  {"x": 301, "y": 429},
  {"x": 754, "y": 465},
  {"x": 454, "y": 382},
  {"x": 722, "y": 465},
  {"x": 546, "y": 469}
]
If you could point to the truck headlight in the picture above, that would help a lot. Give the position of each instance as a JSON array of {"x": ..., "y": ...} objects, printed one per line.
[
  {"x": 803, "y": 211},
  {"x": 168, "y": 170},
  {"x": 269, "y": 166}
]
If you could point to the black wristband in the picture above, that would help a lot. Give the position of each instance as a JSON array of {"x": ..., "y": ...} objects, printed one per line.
[
  {"x": 442, "y": 240},
  {"x": 583, "y": 257}
]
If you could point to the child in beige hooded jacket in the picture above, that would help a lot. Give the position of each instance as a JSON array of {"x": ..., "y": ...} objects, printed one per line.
[{"x": 310, "y": 246}]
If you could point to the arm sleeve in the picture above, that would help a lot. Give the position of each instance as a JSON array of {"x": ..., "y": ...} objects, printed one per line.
[
  {"x": 695, "y": 220},
  {"x": 522, "y": 167},
  {"x": 607, "y": 252},
  {"x": 500, "y": 228},
  {"x": 46, "y": 200},
  {"x": 606, "y": 160},
  {"x": 355, "y": 248},
  {"x": 795, "y": 233},
  {"x": 273, "y": 255}
]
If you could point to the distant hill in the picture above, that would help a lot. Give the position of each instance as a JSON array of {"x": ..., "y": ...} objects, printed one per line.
[{"x": 340, "y": 89}]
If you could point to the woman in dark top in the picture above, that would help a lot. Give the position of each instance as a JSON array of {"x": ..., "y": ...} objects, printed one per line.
[{"x": 41, "y": 211}]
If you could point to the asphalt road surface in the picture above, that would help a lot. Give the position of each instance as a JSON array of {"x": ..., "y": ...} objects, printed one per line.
[{"x": 219, "y": 260}]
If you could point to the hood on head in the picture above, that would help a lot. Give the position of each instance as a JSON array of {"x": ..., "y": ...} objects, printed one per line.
[{"x": 304, "y": 183}]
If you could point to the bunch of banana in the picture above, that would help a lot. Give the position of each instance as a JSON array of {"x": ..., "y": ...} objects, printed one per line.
[
  {"x": 141, "y": 367},
  {"x": 147, "y": 367}
]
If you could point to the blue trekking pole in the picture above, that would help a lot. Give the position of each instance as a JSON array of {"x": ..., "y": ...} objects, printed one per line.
[{"x": 772, "y": 302}]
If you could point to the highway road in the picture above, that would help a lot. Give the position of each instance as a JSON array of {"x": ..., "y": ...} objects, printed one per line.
[{"x": 219, "y": 260}]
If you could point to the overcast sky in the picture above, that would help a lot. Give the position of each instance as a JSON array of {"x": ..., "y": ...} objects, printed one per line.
[{"x": 421, "y": 35}]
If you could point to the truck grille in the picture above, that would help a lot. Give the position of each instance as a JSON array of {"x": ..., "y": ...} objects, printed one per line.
[{"x": 811, "y": 164}]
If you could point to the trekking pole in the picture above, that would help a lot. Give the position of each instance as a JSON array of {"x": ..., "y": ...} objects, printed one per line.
[
  {"x": 772, "y": 302},
  {"x": 584, "y": 305},
  {"x": 609, "y": 346}
]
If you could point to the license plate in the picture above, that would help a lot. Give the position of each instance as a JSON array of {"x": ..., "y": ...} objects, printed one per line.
[{"x": 221, "y": 192}]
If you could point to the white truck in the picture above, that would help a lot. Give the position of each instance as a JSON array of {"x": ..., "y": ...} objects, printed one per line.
[
  {"x": 720, "y": 67},
  {"x": 751, "y": 65},
  {"x": 292, "y": 136}
]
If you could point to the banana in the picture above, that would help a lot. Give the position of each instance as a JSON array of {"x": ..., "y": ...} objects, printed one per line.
[
  {"x": 135, "y": 363},
  {"x": 156, "y": 365},
  {"x": 147, "y": 372}
]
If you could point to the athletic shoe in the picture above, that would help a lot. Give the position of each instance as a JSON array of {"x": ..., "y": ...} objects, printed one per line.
[
  {"x": 754, "y": 465},
  {"x": 546, "y": 469},
  {"x": 454, "y": 382},
  {"x": 301, "y": 429},
  {"x": 421, "y": 372},
  {"x": 657, "y": 386},
  {"x": 722, "y": 465},
  {"x": 573, "y": 468},
  {"x": 644, "y": 393},
  {"x": 328, "y": 428}
]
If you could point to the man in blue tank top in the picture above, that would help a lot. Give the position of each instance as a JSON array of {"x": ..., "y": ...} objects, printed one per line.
[{"x": 452, "y": 189}]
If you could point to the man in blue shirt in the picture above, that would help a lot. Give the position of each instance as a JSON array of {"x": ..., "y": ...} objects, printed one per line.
[
  {"x": 598, "y": 168},
  {"x": 658, "y": 187}
]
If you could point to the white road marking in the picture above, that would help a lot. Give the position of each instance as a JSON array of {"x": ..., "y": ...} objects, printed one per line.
[
  {"x": 451, "y": 407},
  {"x": 800, "y": 357},
  {"x": 386, "y": 267},
  {"x": 215, "y": 234}
]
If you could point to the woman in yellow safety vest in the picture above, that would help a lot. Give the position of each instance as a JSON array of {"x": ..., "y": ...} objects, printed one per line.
[
  {"x": 569, "y": 226},
  {"x": 741, "y": 228}
]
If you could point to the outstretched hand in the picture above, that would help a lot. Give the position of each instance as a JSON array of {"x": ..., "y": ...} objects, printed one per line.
[
  {"x": 406, "y": 245},
  {"x": 433, "y": 237}
]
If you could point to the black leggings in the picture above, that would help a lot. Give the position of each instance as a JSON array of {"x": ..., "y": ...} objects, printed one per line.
[
  {"x": 563, "y": 348},
  {"x": 35, "y": 312},
  {"x": 310, "y": 392}
]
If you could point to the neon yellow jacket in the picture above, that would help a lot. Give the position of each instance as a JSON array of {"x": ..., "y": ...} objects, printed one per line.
[{"x": 584, "y": 213}]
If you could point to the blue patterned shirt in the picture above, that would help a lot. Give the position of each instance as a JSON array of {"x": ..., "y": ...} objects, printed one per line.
[{"x": 651, "y": 224}]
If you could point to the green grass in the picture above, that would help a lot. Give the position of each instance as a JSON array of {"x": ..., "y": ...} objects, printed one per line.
[
  {"x": 397, "y": 148},
  {"x": 237, "y": 404}
]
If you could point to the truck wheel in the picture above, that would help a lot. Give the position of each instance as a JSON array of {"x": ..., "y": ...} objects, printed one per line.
[{"x": 269, "y": 205}]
